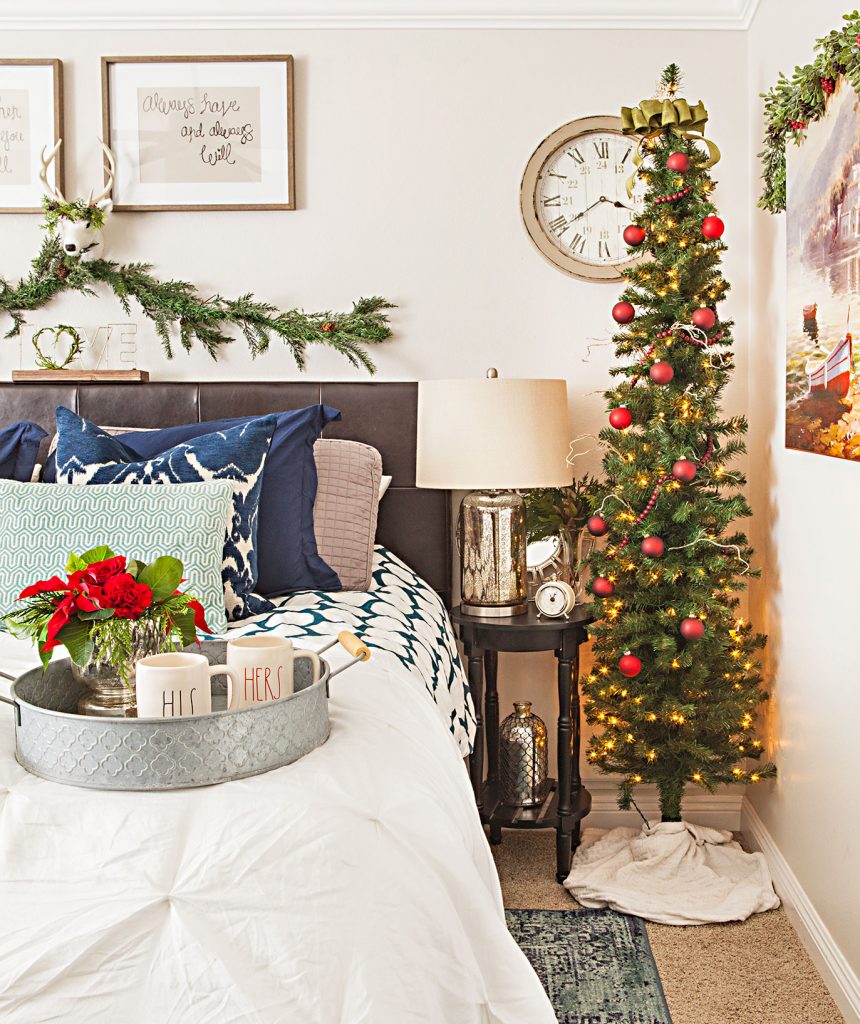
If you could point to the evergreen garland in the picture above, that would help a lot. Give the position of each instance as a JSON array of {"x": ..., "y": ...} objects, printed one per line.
[
  {"x": 174, "y": 307},
  {"x": 793, "y": 103}
]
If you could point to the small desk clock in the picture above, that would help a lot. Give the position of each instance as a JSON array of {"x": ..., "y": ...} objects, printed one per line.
[{"x": 555, "y": 599}]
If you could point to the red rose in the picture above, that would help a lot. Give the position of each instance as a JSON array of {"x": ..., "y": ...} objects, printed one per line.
[
  {"x": 128, "y": 598},
  {"x": 102, "y": 571}
]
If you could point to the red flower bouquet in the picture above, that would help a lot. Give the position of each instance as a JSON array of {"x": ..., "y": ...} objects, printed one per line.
[{"x": 95, "y": 611}]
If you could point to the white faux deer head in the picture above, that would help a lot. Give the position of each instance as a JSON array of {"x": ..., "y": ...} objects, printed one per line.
[{"x": 78, "y": 223}]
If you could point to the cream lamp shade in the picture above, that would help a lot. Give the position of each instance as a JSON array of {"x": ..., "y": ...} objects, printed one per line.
[{"x": 492, "y": 433}]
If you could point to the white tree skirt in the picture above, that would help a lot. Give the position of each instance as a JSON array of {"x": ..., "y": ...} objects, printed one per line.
[{"x": 672, "y": 872}]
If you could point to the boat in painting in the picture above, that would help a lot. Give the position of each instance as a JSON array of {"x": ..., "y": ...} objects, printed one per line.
[{"x": 833, "y": 372}]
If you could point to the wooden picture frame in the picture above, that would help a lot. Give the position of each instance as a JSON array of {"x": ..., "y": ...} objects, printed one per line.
[
  {"x": 175, "y": 153},
  {"x": 41, "y": 129}
]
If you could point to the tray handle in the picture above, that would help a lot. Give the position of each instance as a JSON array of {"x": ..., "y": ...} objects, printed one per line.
[{"x": 352, "y": 645}]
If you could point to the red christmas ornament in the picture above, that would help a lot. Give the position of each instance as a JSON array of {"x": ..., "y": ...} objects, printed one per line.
[
  {"x": 620, "y": 418},
  {"x": 597, "y": 526},
  {"x": 678, "y": 163},
  {"x": 634, "y": 235},
  {"x": 653, "y": 547},
  {"x": 712, "y": 227},
  {"x": 684, "y": 470},
  {"x": 623, "y": 312},
  {"x": 602, "y": 587},
  {"x": 704, "y": 318},
  {"x": 629, "y": 665},
  {"x": 661, "y": 372},
  {"x": 692, "y": 629}
]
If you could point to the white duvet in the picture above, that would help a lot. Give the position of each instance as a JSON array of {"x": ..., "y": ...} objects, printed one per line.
[{"x": 353, "y": 886}]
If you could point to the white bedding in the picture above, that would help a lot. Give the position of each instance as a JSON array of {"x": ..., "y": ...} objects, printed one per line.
[{"x": 353, "y": 886}]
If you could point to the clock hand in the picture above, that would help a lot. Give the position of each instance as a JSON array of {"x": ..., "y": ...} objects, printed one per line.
[
  {"x": 579, "y": 216},
  {"x": 623, "y": 206}
]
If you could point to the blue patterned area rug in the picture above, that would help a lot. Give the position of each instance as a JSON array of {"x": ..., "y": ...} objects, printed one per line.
[{"x": 596, "y": 965}]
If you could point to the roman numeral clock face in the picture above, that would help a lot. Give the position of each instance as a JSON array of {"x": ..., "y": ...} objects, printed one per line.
[{"x": 574, "y": 198}]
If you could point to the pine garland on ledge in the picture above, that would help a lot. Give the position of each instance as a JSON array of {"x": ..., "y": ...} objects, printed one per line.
[
  {"x": 792, "y": 104},
  {"x": 174, "y": 307}
]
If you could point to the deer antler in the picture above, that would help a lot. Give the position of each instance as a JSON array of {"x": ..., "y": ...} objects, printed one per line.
[
  {"x": 111, "y": 166},
  {"x": 43, "y": 173}
]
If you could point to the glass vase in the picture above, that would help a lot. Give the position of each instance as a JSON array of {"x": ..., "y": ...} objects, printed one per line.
[
  {"x": 108, "y": 696},
  {"x": 523, "y": 743}
]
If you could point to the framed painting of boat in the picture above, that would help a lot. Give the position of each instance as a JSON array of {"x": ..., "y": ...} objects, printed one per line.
[{"x": 822, "y": 393}]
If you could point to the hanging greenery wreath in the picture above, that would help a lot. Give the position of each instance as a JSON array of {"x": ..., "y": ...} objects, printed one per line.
[
  {"x": 176, "y": 309},
  {"x": 792, "y": 104}
]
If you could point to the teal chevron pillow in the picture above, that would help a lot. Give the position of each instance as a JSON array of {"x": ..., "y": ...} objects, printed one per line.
[{"x": 41, "y": 523}]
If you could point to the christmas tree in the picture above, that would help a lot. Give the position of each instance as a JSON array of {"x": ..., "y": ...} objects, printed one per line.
[{"x": 676, "y": 680}]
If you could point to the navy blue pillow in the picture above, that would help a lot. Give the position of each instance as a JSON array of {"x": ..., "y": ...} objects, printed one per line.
[
  {"x": 19, "y": 447},
  {"x": 86, "y": 454},
  {"x": 287, "y": 555}
]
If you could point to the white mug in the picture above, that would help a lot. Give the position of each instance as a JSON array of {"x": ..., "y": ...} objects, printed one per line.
[
  {"x": 177, "y": 685},
  {"x": 262, "y": 669}
]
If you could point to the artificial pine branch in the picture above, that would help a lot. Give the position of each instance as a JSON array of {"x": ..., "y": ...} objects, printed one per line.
[{"x": 176, "y": 310}]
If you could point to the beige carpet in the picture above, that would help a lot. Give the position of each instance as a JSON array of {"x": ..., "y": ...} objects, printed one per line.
[{"x": 751, "y": 973}]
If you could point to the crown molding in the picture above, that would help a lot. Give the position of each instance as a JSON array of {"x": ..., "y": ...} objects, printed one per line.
[{"x": 88, "y": 15}]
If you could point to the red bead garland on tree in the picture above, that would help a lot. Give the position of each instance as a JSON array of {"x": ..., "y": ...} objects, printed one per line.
[
  {"x": 602, "y": 587},
  {"x": 675, "y": 196},
  {"x": 712, "y": 227},
  {"x": 623, "y": 312},
  {"x": 692, "y": 629},
  {"x": 620, "y": 418},
  {"x": 634, "y": 235},
  {"x": 629, "y": 665}
]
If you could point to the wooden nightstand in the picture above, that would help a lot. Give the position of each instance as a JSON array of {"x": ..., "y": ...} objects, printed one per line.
[{"x": 568, "y": 801}]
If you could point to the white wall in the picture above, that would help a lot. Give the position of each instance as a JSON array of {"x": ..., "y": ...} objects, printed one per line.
[
  {"x": 808, "y": 600},
  {"x": 410, "y": 146}
]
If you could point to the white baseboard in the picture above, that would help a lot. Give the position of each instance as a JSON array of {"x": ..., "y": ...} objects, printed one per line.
[
  {"x": 841, "y": 981},
  {"x": 719, "y": 810}
]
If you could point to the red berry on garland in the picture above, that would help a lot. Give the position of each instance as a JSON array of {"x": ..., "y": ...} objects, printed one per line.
[
  {"x": 827, "y": 86},
  {"x": 62, "y": 272},
  {"x": 653, "y": 547},
  {"x": 597, "y": 526},
  {"x": 692, "y": 629},
  {"x": 634, "y": 235},
  {"x": 678, "y": 163},
  {"x": 661, "y": 372},
  {"x": 684, "y": 470},
  {"x": 602, "y": 587},
  {"x": 620, "y": 418},
  {"x": 623, "y": 312},
  {"x": 629, "y": 665},
  {"x": 712, "y": 227},
  {"x": 704, "y": 318}
]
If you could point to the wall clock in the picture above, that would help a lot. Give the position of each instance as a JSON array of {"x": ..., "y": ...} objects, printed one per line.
[{"x": 574, "y": 198}]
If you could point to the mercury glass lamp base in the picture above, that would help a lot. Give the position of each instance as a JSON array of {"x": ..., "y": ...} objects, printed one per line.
[
  {"x": 492, "y": 541},
  {"x": 482, "y": 611}
]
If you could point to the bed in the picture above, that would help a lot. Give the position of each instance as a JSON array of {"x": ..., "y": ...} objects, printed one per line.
[{"x": 353, "y": 886}]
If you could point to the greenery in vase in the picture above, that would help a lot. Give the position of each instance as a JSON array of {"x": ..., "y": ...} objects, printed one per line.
[
  {"x": 676, "y": 680},
  {"x": 552, "y": 510},
  {"x": 99, "y": 608}
]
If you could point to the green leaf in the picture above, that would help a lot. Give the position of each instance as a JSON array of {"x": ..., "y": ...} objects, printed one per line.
[
  {"x": 99, "y": 613},
  {"x": 98, "y": 554},
  {"x": 162, "y": 576},
  {"x": 75, "y": 635},
  {"x": 75, "y": 563},
  {"x": 135, "y": 567},
  {"x": 184, "y": 622}
]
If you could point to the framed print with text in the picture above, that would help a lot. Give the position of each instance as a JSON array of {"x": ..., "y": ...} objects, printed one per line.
[
  {"x": 200, "y": 133},
  {"x": 31, "y": 119}
]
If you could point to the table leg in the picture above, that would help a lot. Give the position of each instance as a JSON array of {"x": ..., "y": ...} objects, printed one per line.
[
  {"x": 476, "y": 685},
  {"x": 572, "y": 653},
  {"x": 565, "y": 763},
  {"x": 491, "y": 713}
]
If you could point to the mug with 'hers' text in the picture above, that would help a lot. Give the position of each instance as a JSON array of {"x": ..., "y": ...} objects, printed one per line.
[{"x": 262, "y": 669}]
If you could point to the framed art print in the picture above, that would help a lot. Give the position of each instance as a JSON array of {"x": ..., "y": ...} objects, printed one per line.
[
  {"x": 200, "y": 133},
  {"x": 31, "y": 119}
]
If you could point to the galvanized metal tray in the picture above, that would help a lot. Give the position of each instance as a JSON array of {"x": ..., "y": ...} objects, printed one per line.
[{"x": 147, "y": 754}]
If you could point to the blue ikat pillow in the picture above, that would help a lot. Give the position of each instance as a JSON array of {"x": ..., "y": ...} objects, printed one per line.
[{"x": 88, "y": 455}]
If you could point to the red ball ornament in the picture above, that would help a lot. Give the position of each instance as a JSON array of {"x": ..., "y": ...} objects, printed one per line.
[
  {"x": 712, "y": 227},
  {"x": 634, "y": 235},
  {"x": 653, "y": 547},
  {"x": 684, "y": 470},
  {"x": 692, "y": 629},
  {"x": 661, "y": 372},
  {"x": 678, "y": 163},
  {"x": 623, "y": 312},
  {"x": 704, "y": 318},
  {"x": 602, "y": 587},
  {"x": 620, "y": 418},
  {"x": 597, "y": 526},
  {"x": 629, "y": 665}
]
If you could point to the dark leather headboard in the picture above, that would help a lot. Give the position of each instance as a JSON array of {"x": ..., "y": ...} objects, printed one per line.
[{"x": 414, "y": 524}]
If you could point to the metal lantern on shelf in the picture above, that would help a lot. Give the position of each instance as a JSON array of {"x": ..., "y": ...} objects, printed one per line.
[{"x": 523, "y": 748}]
